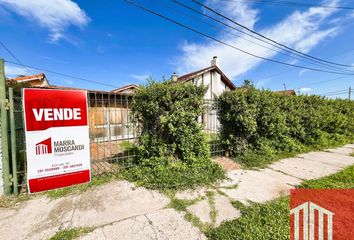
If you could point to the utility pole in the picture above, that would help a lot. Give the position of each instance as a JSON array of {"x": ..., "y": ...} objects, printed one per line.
[
  {"x": 4, "y": 137},
  {"x": 284, "y": 86},
  {"x": 350, "y": 91}
]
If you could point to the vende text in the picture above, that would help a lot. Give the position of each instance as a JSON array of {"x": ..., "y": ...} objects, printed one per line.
[{"x": 54, "y": 114}]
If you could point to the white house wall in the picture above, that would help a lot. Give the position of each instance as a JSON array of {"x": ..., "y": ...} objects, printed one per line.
[{"x": 214, "y": 83}]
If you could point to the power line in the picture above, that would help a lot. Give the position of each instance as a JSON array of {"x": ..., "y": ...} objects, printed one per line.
[
  {"x": 269, "y": 39},
  {"x": 335, "y": 93},
  {"x": 290, "y": 3},
  {"x": 13, "y": 55},
  {"x": 292, "y": 55},
  {"x": 227, "y": 44},
  {"x": 65, "y": 75},
  {"x": 250, "y": 35},
  {"x": 280, "y": 73},
  {"x": 317, "y": 83}
]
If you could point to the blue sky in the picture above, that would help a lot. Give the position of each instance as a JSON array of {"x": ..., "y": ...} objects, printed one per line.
[{"x": 117, "y": 44}]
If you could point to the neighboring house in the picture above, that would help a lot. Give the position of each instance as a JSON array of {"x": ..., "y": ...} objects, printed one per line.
[
  {"x": 38, "y": 80},
  {"x": 287, "y": 92},
  {"x": 129, "y": 89}
]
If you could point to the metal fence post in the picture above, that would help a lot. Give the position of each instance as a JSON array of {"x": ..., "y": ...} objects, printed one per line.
[
  {"x": 13, "y": 141},
  {"x": 4, "y": 137}
]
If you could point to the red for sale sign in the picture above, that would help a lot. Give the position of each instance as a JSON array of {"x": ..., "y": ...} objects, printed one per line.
[{"x": 57, "y": 138}]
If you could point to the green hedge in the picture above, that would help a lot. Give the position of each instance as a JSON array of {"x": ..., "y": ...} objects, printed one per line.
[
  {"x": 258, "y": 125},
  {"x": 173, "y": 151}
]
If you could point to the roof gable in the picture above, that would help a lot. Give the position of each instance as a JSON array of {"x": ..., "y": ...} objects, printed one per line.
[
  {"x": 131, "y": 87},
  {"x": 195, "y": 74}
]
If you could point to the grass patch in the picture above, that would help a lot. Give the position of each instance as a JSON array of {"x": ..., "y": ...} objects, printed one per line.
[
  {"x": 96, "y": 181},
  {"x": 211, "y": 200},
  {"x": 182, "y": 204},
  {"x": 258, "y": 159},
  {"x": 271, "y": 220},
  {"x": 177, "y": 176},
  {"x": 261, "y": 158},
  {"x": 352, "y": 154},
  {"x": 72, "y": 233},
  {"x": 12, "y": 200},
  {"x": 195, "y": 221},
  {"x": 260, "y": 221},
  {"x": 235, "y": 186},
  {"x": 238, "y": 205}
]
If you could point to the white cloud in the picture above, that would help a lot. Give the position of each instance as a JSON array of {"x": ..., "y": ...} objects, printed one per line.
[
  {"x": 305, "y": 89},
  {"x": 141, "y": 78},
  {"x": 262, "y": 82},
  {"x": 237, "y": 11},
  {"x": 55, "y": 15},
  {"x": 14, "y": 71},
  {"x": 100, "y": 49},
  {"x": 301, "y": 30},
  {"x": 69, "y": 82},
  {"x": 301, "y": 72}
]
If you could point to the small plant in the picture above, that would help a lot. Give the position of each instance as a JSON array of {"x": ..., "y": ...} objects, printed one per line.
[{"x": 72, "y": 233}]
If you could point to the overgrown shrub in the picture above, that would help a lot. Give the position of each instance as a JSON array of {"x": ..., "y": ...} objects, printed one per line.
[
  {"x": 173, "y": 151},
  {"x": 259, "y": 126}
]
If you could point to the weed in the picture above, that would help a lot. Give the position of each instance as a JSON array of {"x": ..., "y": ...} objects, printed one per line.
[
  {"x": 182, "y": 204},
  {"x": 238, "y": 205},
  {"x": 96, "y": 181},
  {"x": 72, "y": 233},
  {"x": 10, "y": 201},
  {"x": 195, "y": 221},
  {"x": 211, "y": 200}
]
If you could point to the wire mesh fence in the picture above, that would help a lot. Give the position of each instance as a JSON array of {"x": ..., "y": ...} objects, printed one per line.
[
  {"x": 20, "y": 141},
  {"x": 211, "y": 125},
  {"x": 113, "y": 131}
]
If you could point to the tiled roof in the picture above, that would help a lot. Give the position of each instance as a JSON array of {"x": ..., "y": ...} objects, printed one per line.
[
  {"x": 192, "y": 75},
  {"x": 287, "y": 92},
  {"x": 40, "y": 76},
  {"x": 88, "y": 90},
  {"x": 121, "y": 89}
]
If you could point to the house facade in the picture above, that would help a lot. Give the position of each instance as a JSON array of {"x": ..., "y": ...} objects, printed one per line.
[
  {"x": 217, "y": 83},
  {"x": 212, "y": 77}
]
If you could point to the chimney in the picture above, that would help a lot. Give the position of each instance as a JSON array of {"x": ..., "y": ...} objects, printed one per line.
[
  {"x": 174, "y": 77},
  {"x": 215, "y": 61}
]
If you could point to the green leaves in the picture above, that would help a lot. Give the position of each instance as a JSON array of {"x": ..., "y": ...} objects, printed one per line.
[
  {"x": 173, "y": 149},
  {"x": 257, "y": 125}
]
